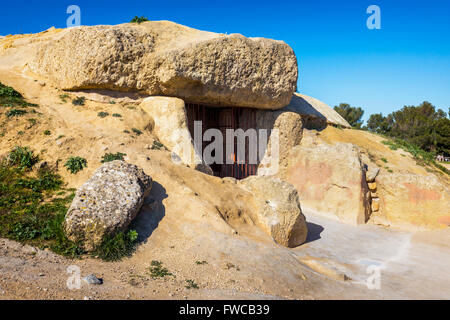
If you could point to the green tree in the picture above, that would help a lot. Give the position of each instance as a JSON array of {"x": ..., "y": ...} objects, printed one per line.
[
  {"x": 442, "y": 129},
  {"x": 353, "y": 115},
  {"x": 422, "y": 126},
  {"x": 377, "y": 123}
]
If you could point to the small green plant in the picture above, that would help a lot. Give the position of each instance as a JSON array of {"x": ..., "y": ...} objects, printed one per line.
[
  {"x": 126, "y": 131},
  {"x": 11, "y": 98},
  {"x": 117, "y": 115},
  {"x": 139, "y": 20},
  {"x": 23, "y": 158},
  {"x": 103, "y": 114},
  {"x": 47, "y": 132},
  {"x": 64, "y": 97},
  {"x": 191, "y": 284},
  {"x": 157, "y": 145},
  {"x": 137, "y": 131},
  {"x": 32, "y": 123},
  {"x": 112, "y": 102},
  {"x": 115, "y": 248},
  {"x": 112, "y": 157},
  {"x": 158, "y": 271},
  {"x": 79, "y": 101},
  {"x": 384, "y": 160},
  {"x": 201, "y": 262},
  {"x": 75, "y": 164},
  {"x": 60, "y": 137},
  {"x": 231, "y": 266},
  {"x": 15, "y": 113}
]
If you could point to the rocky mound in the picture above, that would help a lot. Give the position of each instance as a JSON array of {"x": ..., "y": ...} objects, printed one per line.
[{"x": 164, "y": 58}]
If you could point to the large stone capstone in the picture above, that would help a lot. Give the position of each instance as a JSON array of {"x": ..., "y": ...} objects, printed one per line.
[
  {"x": 167, "y": 59},
  {"x": 106, "y": 203}
]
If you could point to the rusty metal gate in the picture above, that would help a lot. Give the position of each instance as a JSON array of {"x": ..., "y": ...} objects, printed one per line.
[{"x": 223, "y": 119}]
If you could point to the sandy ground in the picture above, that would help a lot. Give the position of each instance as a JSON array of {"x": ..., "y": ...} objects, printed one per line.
[{"x": 332, "y": 265}]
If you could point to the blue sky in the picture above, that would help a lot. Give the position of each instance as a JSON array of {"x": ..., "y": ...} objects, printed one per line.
[{"x": 340, "y": 59}]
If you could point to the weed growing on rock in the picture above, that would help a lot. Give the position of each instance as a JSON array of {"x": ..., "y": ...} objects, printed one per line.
[
  {"x": 112, "y": 157},
  {"x": 117, "y": 115},
  {"x": 47, "y": 132},
  {"x": 103, "y": 114},
  {"x": 201, "y": 262},
  {"x": 75, "y": 164},
  {"x": 139, "y": 20}
]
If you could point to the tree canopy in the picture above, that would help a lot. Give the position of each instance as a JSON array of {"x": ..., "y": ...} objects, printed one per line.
[
  {"x": 421, "y": 125},
  {"x": 353, "y": 115}
]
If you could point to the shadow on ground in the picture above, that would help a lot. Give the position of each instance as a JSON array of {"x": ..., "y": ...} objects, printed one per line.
[
  {"x": 314, "y": 232},
  {"x": 152, "y": 212}
]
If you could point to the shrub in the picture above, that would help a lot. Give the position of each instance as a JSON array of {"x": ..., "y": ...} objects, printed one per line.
[
  {"x": 114, "y": 248},
  {"x": 15, "y": 113},
  {"x": 137, "y": 131},
  {"x": 22, "y": 157},
  {"x": 112, "y": 157},
  {"x": 103, "y": 114},
  {"x": 75, "y": 164},
  {"x": 47, "y": 132},
  {"x": 46, "y": 181},
  {"x": 158, "y": 271},
  {"x": 79, "y": 101},
  {"x": 117, "y": 115},
  {"x": 191, "y": 284},
  {"x": 139, "y": 20}
]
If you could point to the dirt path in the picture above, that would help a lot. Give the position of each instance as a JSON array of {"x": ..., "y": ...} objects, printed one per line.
[{"x": 411, "y": 265}]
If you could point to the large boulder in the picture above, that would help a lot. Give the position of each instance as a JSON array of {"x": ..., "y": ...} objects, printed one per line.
[
  {"x": 171, "y": 127},
  {"x": 106, "y": 203},
  {"x": 312, "y": 108},
  {"x": 410, "y": 200},
  {"x": 279, "y": 213},
  {"x": 285, "y": 130},
  {"x": 330, "y": 180},
  {"x": 167, "y": 59}
]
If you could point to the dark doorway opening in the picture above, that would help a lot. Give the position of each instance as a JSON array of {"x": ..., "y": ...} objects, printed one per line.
[{"x": 223, "y": 119}]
